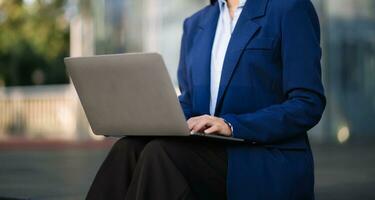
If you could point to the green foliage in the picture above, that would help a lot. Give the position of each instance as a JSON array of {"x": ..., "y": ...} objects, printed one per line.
[{"x": 34, "y": 39}]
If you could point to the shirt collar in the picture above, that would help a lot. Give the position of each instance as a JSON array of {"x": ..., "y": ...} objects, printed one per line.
[
  {"x": 223, "y": 3},
  {"x": 241, "y": 4}
]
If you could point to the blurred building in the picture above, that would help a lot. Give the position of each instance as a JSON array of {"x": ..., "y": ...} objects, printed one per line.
[
  {"x": 348, "y": 29},
  {"x": 348, "y": 42},
  {"x": 118, "y": 26},
  {"x": 96, "y": 27}
]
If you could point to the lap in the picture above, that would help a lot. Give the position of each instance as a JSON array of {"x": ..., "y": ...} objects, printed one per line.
[
  {"x": 202, "y": 162},
  {"x": 191, "y": 154},
  {"x": 175, "y": 146}
]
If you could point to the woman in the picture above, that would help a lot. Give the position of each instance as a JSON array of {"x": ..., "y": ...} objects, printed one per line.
[{"x": 248, "y": 69}]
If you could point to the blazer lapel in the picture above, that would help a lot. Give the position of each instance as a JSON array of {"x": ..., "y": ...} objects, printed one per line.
[
  {"x": 243, "y": 32},
  {"x": 200, "y": 61}
]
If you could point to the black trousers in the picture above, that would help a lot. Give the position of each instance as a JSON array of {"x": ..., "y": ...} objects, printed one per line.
[{"x": 162, "y": 168}]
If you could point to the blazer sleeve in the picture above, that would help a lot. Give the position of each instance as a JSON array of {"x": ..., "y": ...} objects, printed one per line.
[
  {"x": 182, "y": 76},
  {"x": 302, "y": 84}
]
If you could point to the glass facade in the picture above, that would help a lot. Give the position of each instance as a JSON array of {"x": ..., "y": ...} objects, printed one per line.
[
  {"x": 141, "y": 25},
  {"x": 348, "y": 28}
]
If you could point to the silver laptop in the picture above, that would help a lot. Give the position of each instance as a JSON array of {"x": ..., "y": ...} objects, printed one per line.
[{"x": 129, "y": 95}]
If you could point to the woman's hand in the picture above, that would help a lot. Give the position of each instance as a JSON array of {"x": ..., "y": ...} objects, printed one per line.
[{"x": 209, "y": 125}]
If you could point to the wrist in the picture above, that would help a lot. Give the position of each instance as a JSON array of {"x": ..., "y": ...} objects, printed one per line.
[{"x": 229, "y": 126}]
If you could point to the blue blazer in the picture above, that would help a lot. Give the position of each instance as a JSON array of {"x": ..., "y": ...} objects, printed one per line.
[{"x": 270, "y": 91}]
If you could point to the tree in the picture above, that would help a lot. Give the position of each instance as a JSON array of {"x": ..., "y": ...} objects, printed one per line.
[{"x": 34, "y": 39}]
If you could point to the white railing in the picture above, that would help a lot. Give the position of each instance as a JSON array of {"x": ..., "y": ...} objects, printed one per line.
[{"x": 48, "y": 112}]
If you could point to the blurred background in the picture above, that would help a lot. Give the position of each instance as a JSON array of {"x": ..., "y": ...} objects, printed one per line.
[{"x": 47, "y": 150}]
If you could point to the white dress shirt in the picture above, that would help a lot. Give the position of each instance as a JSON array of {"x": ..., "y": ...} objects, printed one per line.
[{"x": 224, "y": 29}]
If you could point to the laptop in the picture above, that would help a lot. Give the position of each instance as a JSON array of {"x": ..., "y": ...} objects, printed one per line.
[{"x": 129, "y": 95}]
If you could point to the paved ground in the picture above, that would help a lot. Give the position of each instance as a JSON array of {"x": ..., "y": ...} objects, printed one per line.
[
  {"x": 342, "y": 172},
  {"x": 345, "y": 172}
]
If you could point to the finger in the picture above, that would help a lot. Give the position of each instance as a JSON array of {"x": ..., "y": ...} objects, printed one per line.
[
  {"x": 201, "y": 125},
  {"x": 198, "y": 125},
  {"x": 192, "y": 121},
  {"x": 212, "y": 129},
  {"x": 197, "y": 118}
]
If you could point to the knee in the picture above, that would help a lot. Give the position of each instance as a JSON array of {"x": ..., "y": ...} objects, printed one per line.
[
  {"x": 154, "y": 149},
  {"x": 127, "y": 144}
]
